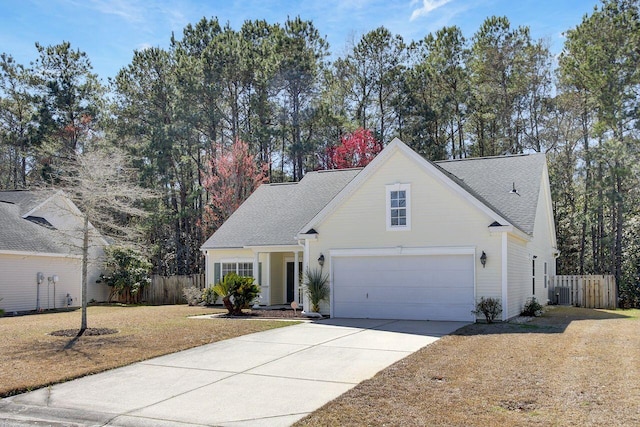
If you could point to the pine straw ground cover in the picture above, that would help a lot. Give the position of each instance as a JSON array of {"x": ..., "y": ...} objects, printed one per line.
[
  {"x": 572, "y": 367},
  {"x": 30, "y": 358}
]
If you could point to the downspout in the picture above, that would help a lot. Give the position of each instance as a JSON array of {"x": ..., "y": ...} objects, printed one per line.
[{"x": 505, "y": 277}]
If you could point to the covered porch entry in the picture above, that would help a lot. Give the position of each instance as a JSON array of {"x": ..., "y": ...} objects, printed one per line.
[
  {"x": 277, "y": 269},
  {"x": 280, "y": 274}
]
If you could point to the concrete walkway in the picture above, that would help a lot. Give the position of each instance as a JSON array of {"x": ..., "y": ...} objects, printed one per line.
[{"x": 270, "y": 378}]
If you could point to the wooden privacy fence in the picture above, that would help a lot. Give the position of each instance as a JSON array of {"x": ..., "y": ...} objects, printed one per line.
[
  {"x": 595, "y": 291},
  {"x": 168, "y": 289}
]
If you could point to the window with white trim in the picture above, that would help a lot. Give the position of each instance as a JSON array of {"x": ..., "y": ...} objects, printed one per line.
[
  {"x": 240, "y": 268},
  {"x": 398, "y": 207},
  {"x": 533, "y": 274}
]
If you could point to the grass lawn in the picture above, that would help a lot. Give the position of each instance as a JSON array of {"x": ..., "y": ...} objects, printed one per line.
[
  {"x": 572, "y": 367},
  {"x": 30, "y": 358}
]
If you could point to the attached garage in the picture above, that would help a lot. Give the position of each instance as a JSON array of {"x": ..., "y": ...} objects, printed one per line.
[{"x": 412, "y": 286}]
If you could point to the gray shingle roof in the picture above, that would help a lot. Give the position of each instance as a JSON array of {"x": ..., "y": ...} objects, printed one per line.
[
  {"x": 26, "y": 199},
  {"x": 19, "y": 234},
  {"x": 491, "y": 180},
  {"x": 275, "y": 213}
]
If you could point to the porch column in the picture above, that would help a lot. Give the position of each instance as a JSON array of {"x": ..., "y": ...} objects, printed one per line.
[
  {"x": 296, "y": 277},
  {"x": 256, "y": 274},
  {"x": 304, "y": 299}
]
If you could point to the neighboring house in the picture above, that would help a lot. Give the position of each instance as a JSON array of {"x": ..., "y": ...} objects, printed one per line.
[
  {"x": 41, "y": 232},
  {"x": 402, "y": 238}
]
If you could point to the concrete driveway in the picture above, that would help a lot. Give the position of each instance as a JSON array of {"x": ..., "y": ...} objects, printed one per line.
[{"x": 270, "y": 378}]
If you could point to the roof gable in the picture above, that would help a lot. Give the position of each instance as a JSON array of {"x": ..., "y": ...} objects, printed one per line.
[
  {"x": 449, "y": 180},
  {"x": 28, "y": 200},
  {"x": 18, "y": 234},
  {"x": 40, "y": 206}
]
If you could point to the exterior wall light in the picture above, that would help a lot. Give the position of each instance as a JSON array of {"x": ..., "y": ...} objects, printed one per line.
[
  {"x": 321, "y": 260},
  {"x": 483, "y": 259}
]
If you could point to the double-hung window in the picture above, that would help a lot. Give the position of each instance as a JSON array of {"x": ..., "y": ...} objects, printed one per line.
[
  {"x": 240, "y": 268},
  {"x": 398, "y": 207}
]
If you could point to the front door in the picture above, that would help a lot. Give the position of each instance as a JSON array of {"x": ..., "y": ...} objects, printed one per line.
[{"x": 290, "y": 279}]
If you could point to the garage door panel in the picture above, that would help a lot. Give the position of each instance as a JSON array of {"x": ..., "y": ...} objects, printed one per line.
[{"x": 434, "y": 287}]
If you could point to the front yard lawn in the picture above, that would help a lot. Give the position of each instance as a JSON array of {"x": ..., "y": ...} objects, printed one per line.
[
  {"x": 30, "y": 358},
  {"x": 571, "y": 367}
]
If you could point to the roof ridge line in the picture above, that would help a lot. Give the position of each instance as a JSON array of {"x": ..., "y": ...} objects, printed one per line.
[{"x": 504, "y": 156}]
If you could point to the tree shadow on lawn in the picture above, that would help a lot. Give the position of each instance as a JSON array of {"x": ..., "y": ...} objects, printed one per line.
[
  {"x": 555, "y": 320},
  {"x": 85, "y": 346}
]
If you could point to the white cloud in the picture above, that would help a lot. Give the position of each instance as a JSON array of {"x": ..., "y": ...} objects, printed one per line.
[
  {"x": 127, "y": 10},
  {"x": 427, "y": 7}
]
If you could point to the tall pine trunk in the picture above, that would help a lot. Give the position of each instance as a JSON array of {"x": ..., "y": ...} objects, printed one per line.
[{"x": 587, "y": 188}]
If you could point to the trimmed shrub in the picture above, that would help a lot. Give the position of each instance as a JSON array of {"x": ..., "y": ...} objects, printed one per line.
[
  {"x": 489, "y": 307},
  {"x": 192, "y": 295},
  {"x": 209, "y": 296},
  {"x": 532, "y": 308}
]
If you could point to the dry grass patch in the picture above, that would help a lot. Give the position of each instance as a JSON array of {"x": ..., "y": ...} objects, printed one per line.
[
  {"x": 571, "y": 367},
  {"x": 31, "y": 358}
]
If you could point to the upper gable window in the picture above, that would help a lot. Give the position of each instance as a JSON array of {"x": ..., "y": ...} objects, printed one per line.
[{"x": 398, "y": 207}]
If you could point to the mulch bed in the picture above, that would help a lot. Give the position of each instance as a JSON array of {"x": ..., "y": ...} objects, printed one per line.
[
  {"x": 87, "y": 332},
  {"x": 265, "y": 314}
]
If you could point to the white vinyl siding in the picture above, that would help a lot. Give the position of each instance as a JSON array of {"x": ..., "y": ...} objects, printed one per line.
[
  {"x": 519, "y": 276},
  {"x": 542, "y": 243},
  {"x": 439, "y": 217},
  {"x": 18, "y": 282}
]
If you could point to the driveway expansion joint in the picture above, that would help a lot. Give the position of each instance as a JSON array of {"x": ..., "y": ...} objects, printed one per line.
[{"x": 302, "y": 379}]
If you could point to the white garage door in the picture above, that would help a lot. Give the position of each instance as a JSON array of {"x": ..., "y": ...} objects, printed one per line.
[{"x": 431, "y": 287}]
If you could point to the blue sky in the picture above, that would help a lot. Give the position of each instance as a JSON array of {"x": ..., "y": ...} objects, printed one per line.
[{"x": 110, "y": 30}]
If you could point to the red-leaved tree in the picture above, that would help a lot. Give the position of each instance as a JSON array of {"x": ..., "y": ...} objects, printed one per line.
[
  {"x": 234, "y": 174},
  {"x": 356, "y": 150}
]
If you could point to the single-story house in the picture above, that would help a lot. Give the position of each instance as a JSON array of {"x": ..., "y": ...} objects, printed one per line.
[
  {"x": 41, "y": 252},
  {"x": 402, "y": 238}
]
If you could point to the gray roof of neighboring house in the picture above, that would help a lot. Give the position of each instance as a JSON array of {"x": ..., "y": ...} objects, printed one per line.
[
  {"x": 22, "y": 235},
  {"x": 275, "y": 213},
  {"x": 492, "y": 179},
  {"x": 26, "y": 199}
]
